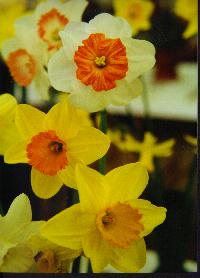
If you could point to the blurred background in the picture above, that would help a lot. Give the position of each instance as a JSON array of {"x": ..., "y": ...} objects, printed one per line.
[{"x": 167, "y": 110}]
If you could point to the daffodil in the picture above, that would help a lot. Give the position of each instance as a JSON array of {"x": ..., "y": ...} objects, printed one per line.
[
  {"x": 52, "y": 144},
  {"x": 8, "y": 131},
  {"x": 136, "y": 12},
  {"x": 9, "y": 12},
  {"x": 99, "y": 63},
  {"x": 110, "y": 221},
  {"x": 52, "y": 16},
  {"x": 188, "y": 10},
  {"x": 50, "y": 257},
  {"x": 25, "y": 57},
  {"x": 148, "y": 149},
  {"x": 16, "y": 229}
]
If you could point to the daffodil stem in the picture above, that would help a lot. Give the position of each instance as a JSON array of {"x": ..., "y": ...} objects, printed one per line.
[
  {"x": 103, "y": 127},
  {"x": 24, "y": 95}
]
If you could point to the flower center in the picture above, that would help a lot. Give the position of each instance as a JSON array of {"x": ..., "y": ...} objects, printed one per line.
[
  {"x": 47, "y": 153},
  {"x": 22, "y": 66},
  {"x": 46, "y": 262},
  {"x": 49, "y": 26},
  {"x": 134, "y": 11},
  {"x": 119, "y": 225},
  {"x": 100, "y": 62}
]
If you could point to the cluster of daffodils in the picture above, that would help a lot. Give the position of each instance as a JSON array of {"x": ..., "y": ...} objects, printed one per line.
[{"x": 97, "y": 64}]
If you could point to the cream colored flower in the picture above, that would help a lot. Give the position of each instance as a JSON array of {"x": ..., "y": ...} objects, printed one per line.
[
  {"x": 16, "y": 228},
  {"x": 99, "y": 63}
]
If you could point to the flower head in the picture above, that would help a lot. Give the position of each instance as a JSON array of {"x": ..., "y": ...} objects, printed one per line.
[
  {"x": 50, "y": 17},
  {"x": 16, "y": 229},
  {"x": 188, "y": 10},
  {"x": 136, "y": 12},
  {"x": 52, "y": 144},
  {"x": 110, "y": 221},
  {"x": 100, "y": 65},
  {"x": 25, "y": 57},
  {"x": 8, "y": 131},
  {"x": 50, "y": 257},
  {"x": 148, "y": 149}
]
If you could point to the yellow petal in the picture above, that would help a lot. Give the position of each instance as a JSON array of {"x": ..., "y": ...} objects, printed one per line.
[
  {"x": 89, "y": 145},
  {"x": 29, "y": 120},
  {"x": 63, "y": 118},
  {"x": 191, "y": 140},
  {"x": 146, "y": 158},
  {"x": 18, "y": 259},
  {"x": 45, "y": 186},
  {"x": 164, "y": 149},
  {"x": 8, "y": 104},
  {"x": 92, "y": 188},
  {"x": 16, "y": 153},
  {"x": 97, "y": 250},
  {"x": 152, "y": 216},
  {"x": 8, "y": 135},
  {"x": 68, "y": 227},
  {"x": 68, "y": 176},
  {"x": 127, "y": 182},
  {"x": 131, "y": 259}
]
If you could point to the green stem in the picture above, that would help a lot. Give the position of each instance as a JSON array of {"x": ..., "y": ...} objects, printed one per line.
[
  {"x": 103, "y": 127},
  {"x": 24, "y": 95}
]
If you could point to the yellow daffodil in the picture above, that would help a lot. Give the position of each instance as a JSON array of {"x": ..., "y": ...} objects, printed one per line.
[
  {"x": 188, "y": 10},
  {"x": 100, "y": 65},
  {"x": 110, "y": 221},
  {"x": 192, "y": 141},
  {"x": 8, "y": 131},
  {"x": 9, "y": 12},
  {"x": 50, "y": 257},
  {"x": 136, "y": 12},
  {"x": 52, "y": 144},
  {"x": 16, "y": 228},
  {"x": 147, "y": 149}
]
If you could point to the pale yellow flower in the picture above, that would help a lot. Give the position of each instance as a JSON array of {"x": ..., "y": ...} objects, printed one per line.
[
  {"x": 16, "y": 228},
  {"x": 148, "y": 149},
  {"x": 136, "y": 12},
  {"x": 50, "y": 257},
  {"x": 188, "y": 10}
]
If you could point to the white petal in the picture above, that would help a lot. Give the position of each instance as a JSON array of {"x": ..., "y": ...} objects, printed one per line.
[
  {"x": 73, "y": 10},
  {"x": 72, "y": 37},
  {"x": 61, "y": 71},
  {"x": 140, "y": 55},
  {"x": 113, "y": 27},
  {"x": 41, "y": 84}
]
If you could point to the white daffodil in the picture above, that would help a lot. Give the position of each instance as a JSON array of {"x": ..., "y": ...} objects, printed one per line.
[
  {"x": 25, "y": 56},
  {"x": 99, "y": 63},
  {"x": 16, "y": 228}
]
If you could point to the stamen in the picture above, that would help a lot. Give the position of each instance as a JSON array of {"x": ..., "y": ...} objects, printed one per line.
[
  {"x": 100, "y": 61},
  {"x": 56, "y": 147}
]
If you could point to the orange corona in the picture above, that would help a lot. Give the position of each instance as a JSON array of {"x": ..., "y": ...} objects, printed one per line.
[
  {"x": 119, "y": 225},
  {"x": 47, "y": 153},
  {"x": 101, "y": 61},
  {"x": 22, "y": 67},
  {"x": 49, "y": 26}
]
